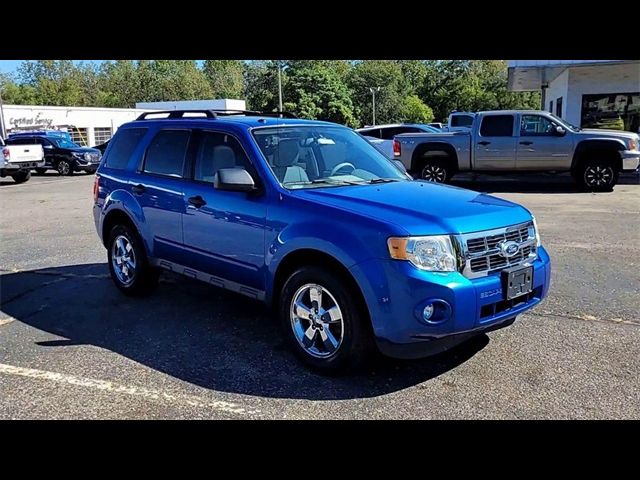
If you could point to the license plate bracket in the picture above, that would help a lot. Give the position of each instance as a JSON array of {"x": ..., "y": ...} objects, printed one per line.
[{"x": 517, "y": 281}]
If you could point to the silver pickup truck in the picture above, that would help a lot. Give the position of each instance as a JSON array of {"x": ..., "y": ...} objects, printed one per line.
[{"x": 521, "y": 141}]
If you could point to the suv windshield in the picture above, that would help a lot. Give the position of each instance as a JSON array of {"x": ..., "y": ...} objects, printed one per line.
[
  {"x": 318, "y": 155},
  {"x": 64, "y": 143}
]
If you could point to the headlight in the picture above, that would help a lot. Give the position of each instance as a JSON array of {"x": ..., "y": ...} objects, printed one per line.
[
  {"x": 78, "y": 155},
  {"x": 536, "y": 231},
  {"x": 433, "y": 253}
]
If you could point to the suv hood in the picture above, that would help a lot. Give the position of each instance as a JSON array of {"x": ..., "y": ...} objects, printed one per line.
[
  {"x": 595, "y": 132},
  {"x": 421, "y": 208}
]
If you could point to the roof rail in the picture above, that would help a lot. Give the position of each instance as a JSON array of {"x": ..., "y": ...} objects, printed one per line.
[{"x": 173, "y": 114}]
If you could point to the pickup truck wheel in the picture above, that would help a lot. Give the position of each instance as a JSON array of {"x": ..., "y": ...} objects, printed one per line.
[
  {"x": 597, "y": 175},
  {"x": 22, "y": 176},
  {"x": 64, "y": 168},
  {"x": 435, "y": 171},
  {"x": 322, "y": 322},
  {"x": 128, "y": 264}
]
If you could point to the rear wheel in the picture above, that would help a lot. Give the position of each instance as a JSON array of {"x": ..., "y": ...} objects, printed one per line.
[
  {"x": 22, "y": 176},
  {"x": 128, "y": 264},
  {"x": 597, "y": 174},
  {"x": 433, "y": 169},
  {"x": 322, "y": 320}
]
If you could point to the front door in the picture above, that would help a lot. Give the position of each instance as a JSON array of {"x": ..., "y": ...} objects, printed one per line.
[
  {"x": 224, "y": 231},
  {"x": 495, "y": 143},
  {"x": 540, "y": 147}
]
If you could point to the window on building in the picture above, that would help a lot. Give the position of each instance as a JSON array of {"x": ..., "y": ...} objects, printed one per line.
[
  {"x": 559, "y": 107},
  {"x": 497, "y": 126},
  {"x": 102, "y": 134},
  {"x": 123, "y": 145},
  {"x": 619, "y": 111},
  {"x": 79, "y": 136},
  {"x": 551, "y": 106},
  {"x": 166, "y": 152}
]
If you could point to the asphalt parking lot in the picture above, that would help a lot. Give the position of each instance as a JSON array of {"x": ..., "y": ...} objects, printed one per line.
[{"x": 71, "y": 346}]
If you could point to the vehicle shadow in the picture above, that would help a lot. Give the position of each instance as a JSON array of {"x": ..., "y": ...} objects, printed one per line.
[
  {"x": 197, "y": 333},
  {"x": 529, "y": 183}
]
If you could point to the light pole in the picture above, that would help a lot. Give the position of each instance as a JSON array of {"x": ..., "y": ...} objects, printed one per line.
[{"x": 373, "y": 91}]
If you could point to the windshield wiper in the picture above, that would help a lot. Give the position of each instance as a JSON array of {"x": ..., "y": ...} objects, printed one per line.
[
  {"x": 322, "y": 180},
  {"x": 384, "y": 180}
]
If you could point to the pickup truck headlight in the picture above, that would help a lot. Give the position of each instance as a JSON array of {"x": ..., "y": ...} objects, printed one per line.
[{"x": 432, "y": 253}]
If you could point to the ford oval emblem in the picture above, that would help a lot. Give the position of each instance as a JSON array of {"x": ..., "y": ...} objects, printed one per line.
[{"x": 509, "y": 249}]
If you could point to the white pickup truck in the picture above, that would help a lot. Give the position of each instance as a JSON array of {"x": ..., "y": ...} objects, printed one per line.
[{"x": 16, "y": 161}]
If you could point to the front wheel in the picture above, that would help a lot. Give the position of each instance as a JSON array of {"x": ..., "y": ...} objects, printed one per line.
[
  {"x": 128, "y": 264},
  {"x": 436, "y": 171},
  {"x": 597, "y": 175},
  {"x": 22, "y": 176},
  {"x": 322, "y": 320},
  {"x": 64, "y": 167}
]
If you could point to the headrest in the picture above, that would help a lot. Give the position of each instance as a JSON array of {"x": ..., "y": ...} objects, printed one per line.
[
  {"x": 286, "y": 153},
  {"x": 224, "y": 157}
]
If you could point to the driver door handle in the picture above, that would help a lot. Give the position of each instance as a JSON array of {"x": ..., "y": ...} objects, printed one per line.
[
  {"x": 484, "y": 142},
  {"x": 197, "y": 201},
  {"x": 526, "y": 143}
]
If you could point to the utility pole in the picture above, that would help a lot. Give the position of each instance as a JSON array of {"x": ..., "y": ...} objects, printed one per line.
[
  {"x": 279, "y": 87},
  {"x": 3, "y": 131},
  {"x": 373, "y": 91}
]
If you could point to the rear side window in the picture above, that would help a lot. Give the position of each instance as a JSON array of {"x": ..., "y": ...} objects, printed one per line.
[
  {"x": 497, "y": 126},
  {"x": 372, "y": 132},
  {"x": 122, "y": 146},
  {"x": 166, "y": 153}
]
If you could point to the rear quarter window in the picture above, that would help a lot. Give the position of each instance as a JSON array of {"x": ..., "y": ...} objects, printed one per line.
[{"x": 122, "y": 146}]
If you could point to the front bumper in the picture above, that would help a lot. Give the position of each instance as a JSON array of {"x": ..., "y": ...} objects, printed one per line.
[
  {"x": 396, "y": 292},
  {"x": 630, "y": 160}
]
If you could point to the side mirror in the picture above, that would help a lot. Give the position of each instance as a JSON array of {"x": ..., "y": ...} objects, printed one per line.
[
  {"x": 234, "y": 180},
  {"x": 559, "y": 131},
  {"x": 400, "y": 165}
]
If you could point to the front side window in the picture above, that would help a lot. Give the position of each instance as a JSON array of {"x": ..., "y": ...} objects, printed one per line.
[
  {"x": 497, "y": 126},
  {"x": 318, "y": 155},
  {"x": 536, "y": 125},
  {"x": 166, "y": 153},
  {"x": 216, "y": 151}
]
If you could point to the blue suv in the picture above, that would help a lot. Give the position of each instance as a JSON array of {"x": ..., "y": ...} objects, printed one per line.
[{"x": 309, "y": 217}]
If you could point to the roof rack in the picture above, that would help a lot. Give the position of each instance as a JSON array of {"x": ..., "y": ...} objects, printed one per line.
[{"x": 173, "y": 114}]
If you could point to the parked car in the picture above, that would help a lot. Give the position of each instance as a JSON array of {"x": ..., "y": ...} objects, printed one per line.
[
  {"x": 16, "y": 161},
  {"x": 309, "y": 218},
  {"x": 60, "y": 153},
  {"x": 437, "y": 125},
  {"x": 381, "y": 136},
  {"x": 522, "y": 141}
]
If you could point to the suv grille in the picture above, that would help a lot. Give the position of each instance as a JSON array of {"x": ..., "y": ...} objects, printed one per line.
[{"x": 483, "y": 253}]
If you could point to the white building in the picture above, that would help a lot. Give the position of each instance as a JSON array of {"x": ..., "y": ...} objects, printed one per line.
[
  {"x": 92, "y": 126},
  {"x": 587, "y": 93}
]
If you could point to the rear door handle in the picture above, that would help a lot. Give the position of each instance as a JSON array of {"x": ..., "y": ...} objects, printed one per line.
[
  {"x": 197, "y": 201},
  {"x": 138, "y": 189},
  {"x": 484, "y": 142},
  {"x": 526, "y": 143}
]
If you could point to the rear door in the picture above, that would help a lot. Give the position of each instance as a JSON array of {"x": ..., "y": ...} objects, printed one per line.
[
  {"x": 158, "y": 187},
  {"x": 540, "y": 147},
  {"x": 495, "y": 143}
]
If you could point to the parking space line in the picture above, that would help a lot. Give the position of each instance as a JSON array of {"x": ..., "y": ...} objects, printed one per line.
[{"x": 114, "y": 388}]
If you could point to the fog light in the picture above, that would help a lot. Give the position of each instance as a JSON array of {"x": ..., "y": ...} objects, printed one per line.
[{"x": 427, "y": 313}]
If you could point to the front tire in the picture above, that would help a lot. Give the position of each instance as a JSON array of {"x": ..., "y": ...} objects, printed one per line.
[
  {"x": 322, "y": 321},
  {"x": 22, "y": 176},
  {"x": 596, "y": 175},
  {"x": 128, "y": 263},
  {"x": 64, "y": 168},
  {"x": 435, "y": 170}
]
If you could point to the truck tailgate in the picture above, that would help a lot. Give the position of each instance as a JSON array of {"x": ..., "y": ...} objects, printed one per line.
[{"x": 25, "y": 153}]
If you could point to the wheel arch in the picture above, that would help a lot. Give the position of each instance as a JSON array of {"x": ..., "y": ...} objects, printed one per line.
[
  {"x": 586, "y": 149},
  {"x": 441, "y": 149}
]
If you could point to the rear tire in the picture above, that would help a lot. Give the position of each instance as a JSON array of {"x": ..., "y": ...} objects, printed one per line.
[
  {"x": 326, "y": 342},
  {"x": 22, "y": 176},
  {"x": 435, "y": 170},
  {"x": 597, "y": 174},
  {"x": 128, "y": 263}
]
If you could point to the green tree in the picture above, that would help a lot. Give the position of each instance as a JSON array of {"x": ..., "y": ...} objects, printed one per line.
[
  {"x": 261, "y": 85},
  {"x": 118, "y": 84},
  {"x": 316, "y": 91},
  {"x": 415, "y": 111},
  {"x": 14, "y": 93},
  {"x": 225, "y": 77}
]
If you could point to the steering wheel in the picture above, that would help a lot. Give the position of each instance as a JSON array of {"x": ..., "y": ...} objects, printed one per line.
[{"x": 340, "y": 166}]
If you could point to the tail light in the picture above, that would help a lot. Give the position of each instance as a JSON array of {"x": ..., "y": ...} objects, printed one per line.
[
  {"x": 96, "y": 188},
  {"x": 396, "y": 148},
  {"x": 6, "y": 153}
]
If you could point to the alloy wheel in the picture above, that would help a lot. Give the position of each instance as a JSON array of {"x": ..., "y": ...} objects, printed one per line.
[
  {"x": 123, "y": 259},
  {"x": 63, "y": 168},
  {"x": 598, "y": 176},
  {"x": 434, "y": 173}
]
